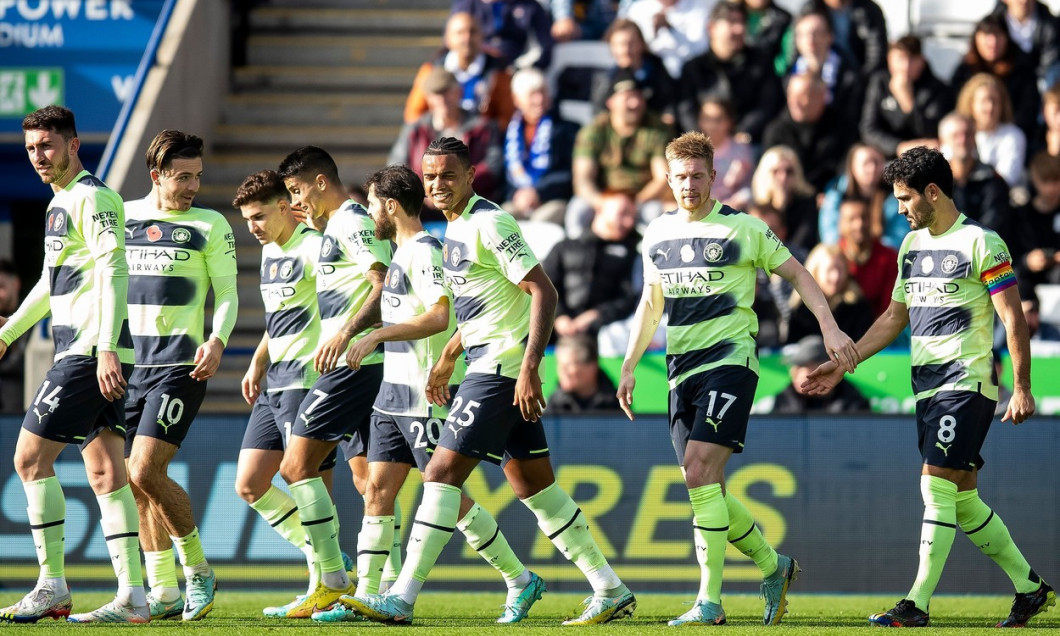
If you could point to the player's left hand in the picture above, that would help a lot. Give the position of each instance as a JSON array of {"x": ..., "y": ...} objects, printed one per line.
[
  {"x": 359, "y": 350},
  {"x": 438, "y": 381},
  {"x": 329, "y": 353},
  {"x": 108, "y": 374},
  {"x": 1020, "y": 407},
  {"x": 528, "y": 394},
  {"x": 625, "y": 393},
  {"x": 207, "y": 359},
  {"x": 823, "y": 379},
  {"x": 841, "y": 349}
]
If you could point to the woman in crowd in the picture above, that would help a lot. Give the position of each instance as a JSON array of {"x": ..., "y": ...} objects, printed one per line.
[
  {"x": 779, "y": 181},
  {"x": 863, "y": 178},
  {"x": 1000, "y": 143},
  {"x": 852, "y": 312}
]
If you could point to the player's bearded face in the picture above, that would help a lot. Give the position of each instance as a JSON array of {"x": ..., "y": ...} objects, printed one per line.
[
  {"x": 50, "y": 155},
  {"x": 918, "y": 210},
  {"x": 385, "y": 228}
]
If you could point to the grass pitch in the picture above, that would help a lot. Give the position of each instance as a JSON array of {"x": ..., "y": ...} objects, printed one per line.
[{"x": 461, "y": 614}]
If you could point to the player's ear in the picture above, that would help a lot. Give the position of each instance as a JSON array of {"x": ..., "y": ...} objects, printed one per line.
[
  {"x": 154, "y": 176},
  {"x": 74, "y": 145},
  {"x": 321, "y": 182}
]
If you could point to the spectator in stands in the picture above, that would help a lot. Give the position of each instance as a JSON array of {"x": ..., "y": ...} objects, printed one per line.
[
  {"x": 731, "y": 71},
  {"x": 772, "y": 304},
  {"x": 357, "y": 193},
  {"x": 583, "y": 386},
  {"x": 999, "y": 143},
  {"x": 1047, "y": 138},
  {"x": 978, "y": 191},
  {"x": 593, "y": 273},
  {"x": 675, "y": 30},
  {"x": 581, "y": 19},
  {"x": 538, "y": 147},
  {"x": 619, "y": 150},
  {"x": 853, "y": 313},
  {"x": 991, "y": 51},
  {"x": 778, "y": 181},
  {"x": 766, "y": 25},
  {"x": 1033, "y": 28},
  {"x": 872, "y": 265},
  {"x": 860, "y": 32},
  {"x": 733, "y": 160},
  {"x": 862, "y": 178},
  {"x": 630, "y": 52},
  {"x": 815, "y": 54},
  {"x": 484, "y": 80},
  {"x": 1035, "y": 240},
  {"x": 518, "y": 32},
  {"x": 802, "y": 358},
  {"x": 812, "y": 128},
  {"x": 12, "y": 366},
  {"x": 904, "y": 102},
  {"x": 1039, "y": 332},
  {"x": 445, "y": 118}
]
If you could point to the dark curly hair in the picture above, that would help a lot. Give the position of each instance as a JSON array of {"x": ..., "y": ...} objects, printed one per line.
[
  {"x": 451, "y": 146},
  {"x": 918, "y": 167}
]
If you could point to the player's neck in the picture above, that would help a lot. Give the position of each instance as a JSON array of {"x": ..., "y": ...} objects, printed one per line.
[
  {"x": 457, "y": 210},
  {"x": 332, "y": 203},
  {"x": 407, "y": 230},
  {"x": 699, "y": 213},
  {"x": 286, "y": 234},
  {"x": 944, "y": 220},
  {"x": 75, "y": 169}
]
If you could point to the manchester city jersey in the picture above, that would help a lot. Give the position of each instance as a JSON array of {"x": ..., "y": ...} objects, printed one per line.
[
  {"x": 172, "y": 257},
  {"x": 414, "y": 283},
  {"x": 83, "y": 229},
  {"x": 707, "y": 273},
  {"x": 485, "y": 260},
  {"x": 292, "y": 319},
  {"x": 946, "y": 282},
  {"x": 347, "y": 253}
]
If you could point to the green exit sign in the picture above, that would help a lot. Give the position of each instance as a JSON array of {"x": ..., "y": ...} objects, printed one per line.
[{"x": 24, "y": 90}]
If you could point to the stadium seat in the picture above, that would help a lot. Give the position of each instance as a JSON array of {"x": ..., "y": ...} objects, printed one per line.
[{"x": 570, "y": 77}]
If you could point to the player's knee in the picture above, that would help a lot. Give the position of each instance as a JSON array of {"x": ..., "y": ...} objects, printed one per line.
[
  {"x": 248, "y": 490},
  {"x": 143, "y": 477},
  {"x": 104, "y": 479},
  {"x": 292, "y": 470},
  {"x": 29, "y": 467}
]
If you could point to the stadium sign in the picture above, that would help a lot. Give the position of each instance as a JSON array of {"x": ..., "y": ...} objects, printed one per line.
[{"x": 24, "y": 90}]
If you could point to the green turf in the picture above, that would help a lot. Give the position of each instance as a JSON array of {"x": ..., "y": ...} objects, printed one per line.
[{"x": 463, "y": 614}]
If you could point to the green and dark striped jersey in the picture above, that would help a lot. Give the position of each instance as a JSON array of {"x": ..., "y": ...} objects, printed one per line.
[
  {"x": 485, "y": 259},
  {"x": 946, "y": 282},
  {"x": 348, "y": 251},
  {"x": 173, "y": 258},
  {"x": 292, "y": 318},
  {"x": 83, "y": 284},
  {"x": 707, "y": 273}
]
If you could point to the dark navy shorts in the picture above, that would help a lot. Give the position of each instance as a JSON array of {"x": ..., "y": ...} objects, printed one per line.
[
  {"x": 69, "y": 408},
  {"x": 483, "y": 423},
  {"x": 951, "y": 427},
  {"x": 713, "y": 407},
  {"x": 162, "y": 402},
  {"x": 271, "y": 421},
  {"x": 403, "y": 439},
  {"x": 339, "y": 408}
]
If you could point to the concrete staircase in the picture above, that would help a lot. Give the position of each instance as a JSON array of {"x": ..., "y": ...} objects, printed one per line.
[{"x": 331, "y": 73}]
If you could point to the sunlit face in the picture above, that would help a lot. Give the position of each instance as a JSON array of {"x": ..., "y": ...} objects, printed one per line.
[
  {"x": 1051, "y": 114},
  {"x": 533, "y": 104},
  {"x": 991, "y": 45},
  {"x": 831, "y": 275},
  {"x": 866, "y": 167},
  {"x": 714, "y": 123},
  {"x": 783, "y": 175},
  {"x": 854, "y": 224},
  {"x": 179, "y": 183},
  {"x": 813, "y": 38},
  {"x": 445, "y": 104},
  {"x": 914, "y": 206},
  {"x": 385, "y": 228},
  {"x": 691, "y": 181},
  {"x": 615, "y": 219},
  {"x": 307, "y": 196},
  {"x": 447, "y": 182},
  {"x": 626, "y": 48},
  {"x": 462, "y": 36},
  {"x": 50, "y": 155},
  {"x": 986, "y": 107},
  {"x": 574, "y": 375},
  {"x": 806, "y": 99},
  {"x": 266, "y": 221},
  {"x": 957, "y": 137},
  {"x": 628, "y": 106}
]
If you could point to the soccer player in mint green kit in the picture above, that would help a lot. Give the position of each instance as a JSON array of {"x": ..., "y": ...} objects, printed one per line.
[
  {"x": 699, "y": 269},
  {"x": 177, "y": 252},
  {"x": 338, "y": 409},
  {"x": 417, "y": 324},
  {"x": 953, "y": 275},
  {"x": 504, "y": 304},
  {"x": 83, "y": 288}
]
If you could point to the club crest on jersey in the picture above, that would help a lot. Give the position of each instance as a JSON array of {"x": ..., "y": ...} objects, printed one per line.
[
  {"x": 713, "y": 252},
  {"x": 153, "y": 233},
  {"x": 455, "y": 260},
  {"x": 286, "y": 270},
  {"x": 927, "y": 264},
  {"x": 181, "y": 235},
  {"x": 949, "y": 264},
  {"x": 687, "y": 254},
  {"x": 325, "y": 249},
  {"x": 56, "y": 221}
]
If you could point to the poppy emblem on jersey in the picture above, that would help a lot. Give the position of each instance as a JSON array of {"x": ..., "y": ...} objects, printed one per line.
[
  {"x": 445, "y": 253},
  {"x": 949, "y": 264},
  {"x": 386, "y": 281},
  {"x": 286, "y": 270},
  {"x": 153, "y": 233},
  {"x": 456, "y": 257},
  {"x": 927, "y": 264},
  {"x": 687, "y": 254},
  {"x": 272, "y": 271},
  {"x": 181, "y": 235},
  {"x": 713, "y": 252}
]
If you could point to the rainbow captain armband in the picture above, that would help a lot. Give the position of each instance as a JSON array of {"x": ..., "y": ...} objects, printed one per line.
[{"x": 999, "y": 278}]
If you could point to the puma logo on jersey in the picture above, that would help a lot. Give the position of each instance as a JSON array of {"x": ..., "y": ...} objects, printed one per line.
[
  {"x": 945, "y": 449},
  {"x": 40, "y": 416},
  {"x": 664, "y": 253},
  {"x": 714, "y": 424}
]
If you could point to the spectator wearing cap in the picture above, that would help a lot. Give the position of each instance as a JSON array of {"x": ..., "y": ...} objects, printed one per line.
[
  {"x": 518, "y": 32},
  {"x": 484, "y": 79},
  {"x": 619, "y": 150},
  {"x": 583, "y": 386},
  {"x": 630, "y": 52},
  {"x": 904, "y": 102},
  {"x": 801, "y": 358},
  {"x": 732, "y": 71},
  {"x": 445, "y": 118},
  {"x": 538, "y": 148}
]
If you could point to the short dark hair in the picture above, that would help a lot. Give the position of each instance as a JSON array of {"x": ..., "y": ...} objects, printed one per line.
[
  {"x": 264, "y": 186},
  {"x": 53, "y": 118},
  {"x": 400, "y": 183},
  {"x": 728, "y": 11},
  {"x": 909, "y": 44},
  {"x": 1045, "y": 166},
  {"x": 917, "y": 167},
  {"x": 6, "y": 266},
  {"x": 169, "y": 145},
  {"x": 450, "y": 146},
  {"x": 583, "y": 345},
  {"x": 309, "y": 159}
]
